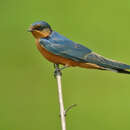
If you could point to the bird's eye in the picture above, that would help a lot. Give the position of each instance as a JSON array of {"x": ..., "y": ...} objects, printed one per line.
[{"x": 38, "y": 27}]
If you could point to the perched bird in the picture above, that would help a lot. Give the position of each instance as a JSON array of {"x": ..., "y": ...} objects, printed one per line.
[{"x": 60, "y": 50}]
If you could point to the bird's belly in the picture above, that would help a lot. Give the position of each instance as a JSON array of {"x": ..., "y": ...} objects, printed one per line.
[{"x": 55, "y": 58}]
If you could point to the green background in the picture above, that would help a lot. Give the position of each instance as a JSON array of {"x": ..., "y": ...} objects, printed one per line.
[{"x": 28, "y": 90}]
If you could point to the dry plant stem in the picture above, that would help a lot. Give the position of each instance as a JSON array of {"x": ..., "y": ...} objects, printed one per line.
[
  {"x": 61, "y": 103},
  {"x": 70, "y": 107}
]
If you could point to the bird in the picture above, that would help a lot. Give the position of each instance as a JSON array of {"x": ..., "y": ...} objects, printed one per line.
[{"x": 59, "y": 50}]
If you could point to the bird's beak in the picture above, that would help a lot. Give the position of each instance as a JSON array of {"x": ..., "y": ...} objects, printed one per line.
[{"x": 30, "y": 29}]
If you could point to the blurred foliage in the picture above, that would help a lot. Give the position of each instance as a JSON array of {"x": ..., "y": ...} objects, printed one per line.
[{"x": 28, "y": 90}]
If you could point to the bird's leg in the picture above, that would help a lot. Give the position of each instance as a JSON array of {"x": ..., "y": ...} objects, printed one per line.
[
  {"x": 54, "y": 66},
  {"x": 57, "y": 70}
]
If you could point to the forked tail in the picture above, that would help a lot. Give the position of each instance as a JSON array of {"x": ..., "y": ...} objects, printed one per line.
[{"x": 108, "y": 64}]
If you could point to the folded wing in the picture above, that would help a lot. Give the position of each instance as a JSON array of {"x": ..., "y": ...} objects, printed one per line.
[{"x": 62, "y": 46}]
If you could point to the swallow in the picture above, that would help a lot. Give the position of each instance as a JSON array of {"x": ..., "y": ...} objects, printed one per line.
[{"x": 60, "y": 50}]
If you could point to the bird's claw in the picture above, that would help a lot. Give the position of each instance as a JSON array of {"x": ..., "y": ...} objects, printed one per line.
[
  {"x": 58, "y": 69},
  {"x": 57, "y": 72}
]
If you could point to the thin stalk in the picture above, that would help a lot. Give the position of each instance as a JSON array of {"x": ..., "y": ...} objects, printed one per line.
[{"x": 60, "y": 95}]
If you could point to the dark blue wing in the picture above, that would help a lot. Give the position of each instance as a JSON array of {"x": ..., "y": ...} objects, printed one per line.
[{"x": 60, "y": 45}]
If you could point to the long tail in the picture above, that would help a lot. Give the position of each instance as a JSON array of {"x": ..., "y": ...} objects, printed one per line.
[{"x": 108, "y": 64}]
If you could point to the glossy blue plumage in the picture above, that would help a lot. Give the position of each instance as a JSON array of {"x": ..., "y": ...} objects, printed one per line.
[
  {"x": 60, "y": 45},
  {"x": 41, "y": 23}
]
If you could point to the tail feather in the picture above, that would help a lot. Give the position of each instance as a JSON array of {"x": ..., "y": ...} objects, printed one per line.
[
  {"x": 108, "y": 64},
  {"x": 118, "y": 70},
  {"x": 123, "y": 71}
]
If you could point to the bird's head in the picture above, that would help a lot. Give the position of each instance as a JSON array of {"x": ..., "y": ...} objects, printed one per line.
[{"x": 40, "y": 29}]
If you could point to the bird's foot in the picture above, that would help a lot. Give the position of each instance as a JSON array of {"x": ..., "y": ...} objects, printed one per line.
[{"x": 57, "y": 70}]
